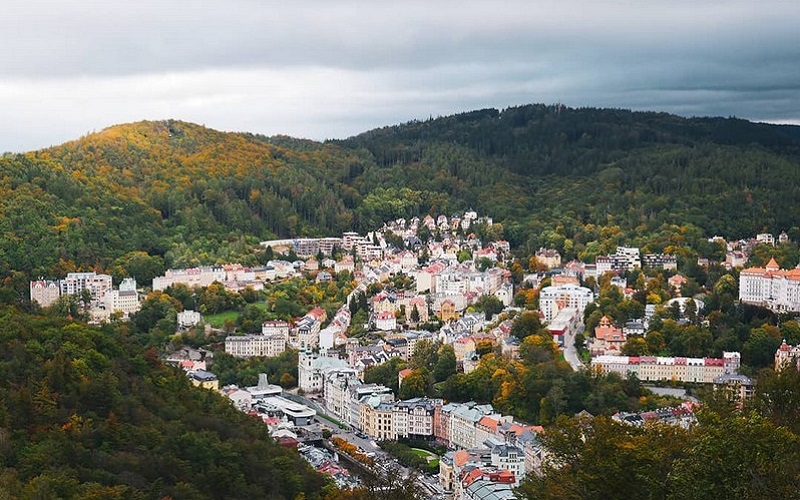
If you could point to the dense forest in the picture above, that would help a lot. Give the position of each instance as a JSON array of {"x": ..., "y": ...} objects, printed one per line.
[
  {"x": 578, "y": 180},
  {"x": 89, "y": 413},
  {"x": 734, "y": 451}
]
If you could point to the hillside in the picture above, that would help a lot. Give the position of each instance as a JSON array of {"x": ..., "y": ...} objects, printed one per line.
[
  {"x": 556, "y": 175},
  {"x": 579, "y": 180},
  {"x": 87, "y": 413}
]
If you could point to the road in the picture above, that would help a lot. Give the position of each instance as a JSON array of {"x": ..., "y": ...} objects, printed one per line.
[{"x": 571, "y": 353}]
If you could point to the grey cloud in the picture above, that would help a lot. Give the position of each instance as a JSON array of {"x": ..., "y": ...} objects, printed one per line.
[{"x": 324, "y": 69}]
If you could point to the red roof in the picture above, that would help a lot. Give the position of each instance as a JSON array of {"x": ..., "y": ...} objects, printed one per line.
[
  {"x": 488, "y": 422},
  {"x": 460, "y": 457}
]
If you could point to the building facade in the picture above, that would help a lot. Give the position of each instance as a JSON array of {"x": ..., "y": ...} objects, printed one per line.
[
  {"x": 771, "y": 287},
  {"x": 653, "y": 368},
  {"x": 554, "y": 298},
  {"x": 245, "y": 346}
]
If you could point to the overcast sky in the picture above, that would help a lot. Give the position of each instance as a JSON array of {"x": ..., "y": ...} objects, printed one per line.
[{"x": 328, "y": 69}]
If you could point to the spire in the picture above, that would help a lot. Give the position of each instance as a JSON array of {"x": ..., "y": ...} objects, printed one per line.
[{"x": 772, "y": 265}]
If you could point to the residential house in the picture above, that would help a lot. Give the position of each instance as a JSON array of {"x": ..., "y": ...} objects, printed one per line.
[
  {"x": 386, "y": 321},
  {"x": 786, "y": 356},
  {"x": 608, "y": 339},
  {"x": 549, "y": 257},
  {"x": 188, "y": 319},
  {"x": 204, "y": 379}
]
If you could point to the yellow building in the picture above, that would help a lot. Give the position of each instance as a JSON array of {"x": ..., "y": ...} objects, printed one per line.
[
  {"x": 448, "y": 311},
  {"x": 204, "y": 379}
]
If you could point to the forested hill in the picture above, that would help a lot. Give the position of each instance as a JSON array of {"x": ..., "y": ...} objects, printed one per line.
[
  {"x": 579, "y": 180},
  {"x": 89, "y": 413},
  {"x": 552, "y": 173}
]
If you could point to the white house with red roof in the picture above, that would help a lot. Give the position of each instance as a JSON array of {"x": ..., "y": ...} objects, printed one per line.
[{"x": 385, "y": 321}]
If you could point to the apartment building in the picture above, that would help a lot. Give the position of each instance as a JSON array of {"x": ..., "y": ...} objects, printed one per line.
[
  {"x": 245, "y": 346},
  {"x": 679, "y": 369},
  {"x": 554, "y": 298}
]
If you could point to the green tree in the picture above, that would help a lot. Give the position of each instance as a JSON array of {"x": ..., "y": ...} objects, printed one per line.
[
  {"x": 526, "y": 324},
  {"x": 741, "y": 449},
  {"x": 417, "y": 384},
  {"x": 635, "y": 346},
  {"x": 415, "y": 314},
  {"x": 446, "y": 365}
]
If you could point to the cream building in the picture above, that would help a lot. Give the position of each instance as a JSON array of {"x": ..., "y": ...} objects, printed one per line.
[
  {"x": 376, "y": 419},
  {"x": 652, "y": 368},
  {"x": 786, "y": 356},
  {"x": 45, "y": 292},
  {"x": 771, "y": 287},
  {"x": 245, "y": 346}
]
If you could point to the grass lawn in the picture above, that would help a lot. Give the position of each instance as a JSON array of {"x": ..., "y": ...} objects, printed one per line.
[
  {"x": 218, "y": 320},
  {"x": 424, "y": 454}
]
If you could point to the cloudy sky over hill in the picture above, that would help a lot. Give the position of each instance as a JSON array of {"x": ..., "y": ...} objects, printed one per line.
[{"x": 330, "y": 69}]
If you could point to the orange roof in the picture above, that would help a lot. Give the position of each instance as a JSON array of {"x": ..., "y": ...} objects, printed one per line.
[
  {"x": 472, "y": 476},
  {"x": 460, "y": 458},
  {"x": 489, "y": 422},
  {"x": 772, "y": 264},
  {"x": 608, "y": 333},
  {"x": 519, "y": 429},
  {"x": 405, "y": 373},
  {"x": 677, "y": 279}
]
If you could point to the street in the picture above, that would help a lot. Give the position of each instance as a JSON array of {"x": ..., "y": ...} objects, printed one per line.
[{"x": 571, "y": 353}]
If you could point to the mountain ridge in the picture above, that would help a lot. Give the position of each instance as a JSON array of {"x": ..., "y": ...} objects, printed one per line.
[{"x": 552, "y": 175}]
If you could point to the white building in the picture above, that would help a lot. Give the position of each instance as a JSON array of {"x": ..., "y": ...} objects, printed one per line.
[
  {"x": 462, "y": 425},
  {"x": 307, "y": 332},
  {"x": 264, "y": 389},
  {"x": 565, "y": 324},
  {"x": 196, "y": 276},
  {"x": 97, "y": 284},
  {"x": 313, "y": 366},
  {"x": 385, "y": 321},
  {"x": 245, "y": 346},
  {"x": 786, "y": 356},
  {"x": 276, "y": 327},
  {"x": 554, "y": 298},
  {"x": 414, "y": 417},
  {"x": 510, "y": 458},
  {"x": 766, "y": 238},
  {"x": 123, "y": 301},
  {"x": 189, "y": 318},
  {"x": 771, "y": 287}
]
